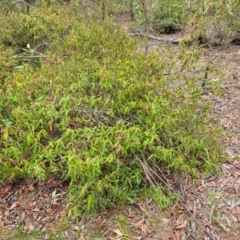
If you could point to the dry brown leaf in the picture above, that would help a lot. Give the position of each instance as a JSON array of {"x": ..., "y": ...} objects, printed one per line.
[
  {"x": 15, "y": 204},
  {"x": 181, "y": 226},
  {"x": 171, "y": 234},
  {"x": 200, "y": 188},
  {"x": 234, "y": 218},
  {"x": 118, "y": 232},
  {"x": 206, "y": 223},
  {"x": 164, "y": 238},
  {"x": 219, "y": 206},
  {"x": 171, "y": 229},
  {"x": 177, "y": 235},
  {"x": 6, "y": 213},
  {"x": 82, "y": 237},
  {"x": 179, "y": 208},
  {"x": 1, "y": 224},
  {"x": 142, "y": 208},
  {"x": 188, "y": 196},
  {"x": 142, "y": 225},
  {"x": 143, "y": 228},
  {"x": 130, "y": 213},
  {"x": 236, "y": 173},
  {"x": 140, "y": 222},
  {"x": 223, "y": 227}
]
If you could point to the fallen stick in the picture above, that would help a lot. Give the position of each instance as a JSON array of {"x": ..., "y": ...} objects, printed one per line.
[{"x": 165, "y": 40}]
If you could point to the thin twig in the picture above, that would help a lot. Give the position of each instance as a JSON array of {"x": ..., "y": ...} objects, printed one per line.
[
  {"x": 165, "y": 40},
  {"x": 179, "y": 197}
]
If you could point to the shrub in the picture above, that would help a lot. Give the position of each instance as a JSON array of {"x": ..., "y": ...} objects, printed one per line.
[
  {"x": 167, "y": 15},
  {"x": 213, "y": 22},
  {"x": 99, "y": 115},
  {"x": 38, "y": 28}
]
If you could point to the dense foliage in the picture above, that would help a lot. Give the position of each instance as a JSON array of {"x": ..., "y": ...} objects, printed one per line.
[{"x": 78, "y": 102}]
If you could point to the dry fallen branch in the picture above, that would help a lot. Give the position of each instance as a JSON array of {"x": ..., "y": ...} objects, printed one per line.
[{"x": 164, "y": 40}]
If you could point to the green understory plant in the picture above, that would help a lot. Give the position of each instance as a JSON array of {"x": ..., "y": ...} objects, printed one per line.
[
  {"x": 213, "y": 22},
  {"x": 167, "y": 16},
  {"x": 104, "y": 117}
]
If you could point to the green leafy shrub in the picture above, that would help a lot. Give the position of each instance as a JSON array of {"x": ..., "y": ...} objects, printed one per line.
[
  {"x": 167, "y": 15},
  {"x": 38, "y": 28},
  {"x": 98, "y": 114},
  {"x": 213, "y": 22}
]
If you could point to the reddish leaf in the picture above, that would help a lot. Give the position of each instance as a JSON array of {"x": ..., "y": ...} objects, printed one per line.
[
  {"x": 142, "y": 225},
  {"x": 181, "y": 226},
  {"x": 14, "y": 205},
  {"x": 206, "y": 224}
]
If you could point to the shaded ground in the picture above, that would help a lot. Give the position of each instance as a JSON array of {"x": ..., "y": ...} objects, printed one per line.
[{"x": 209, "y": 209}]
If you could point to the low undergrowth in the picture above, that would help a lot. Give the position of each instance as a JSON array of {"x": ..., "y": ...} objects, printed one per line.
[{"x": 90, "y": 110}]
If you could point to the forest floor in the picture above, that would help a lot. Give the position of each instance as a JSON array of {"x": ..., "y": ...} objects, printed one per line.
[{"x": 208, "y": 209}]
